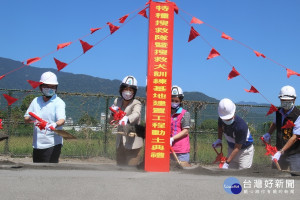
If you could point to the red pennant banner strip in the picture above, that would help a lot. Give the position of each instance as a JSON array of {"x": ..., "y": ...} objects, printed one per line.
[
  {"x": 289, "y": 124},
  {"x": 63, "y": 45},
  {"x": 112, "y": 27},
  {"x": 227, "y": 37},
  {"x": 32, "y": 60},
  {"x": 10, "y": 100},
  {"x": 233, "y": 73},
  {"x": 85, "y": 46},
  {"x": 193, "y": 34},
  {"x": 252, "y": 90},
  {"x": 34, "y": 84},
  {"x": 93, "y": 30},
  {"x": 272, "y": 109},
  {"x": 122, "y": 19},
  {"x": 259, "y": 54},
  {"x": 60, "y": 65},
  {"x": 196, "y": 21},
  {"x": 143, "y": 13},
  {"x": 291, "y": 72},
  {"x": 213, "y": 53},
  {"x": 1, "y": 77}
]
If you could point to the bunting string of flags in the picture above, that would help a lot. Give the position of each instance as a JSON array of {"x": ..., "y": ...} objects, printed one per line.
[
  {"x": 123, "y": 20},
  {"x": 85, "y": 47},
  {"x": 227, "y": 37},
  {"x": 234, "y": 73}
]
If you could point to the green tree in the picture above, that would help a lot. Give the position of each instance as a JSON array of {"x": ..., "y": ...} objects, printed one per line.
[{"x": 87, "y": 120}]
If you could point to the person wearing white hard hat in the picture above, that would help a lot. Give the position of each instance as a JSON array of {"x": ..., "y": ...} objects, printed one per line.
[
  {"x": 237, "y": 134},
  {"x": 129, "y": 147},
  {"x": 180, "y": 125},
  {"x": 287, "y": 139},
  {"x": 46, "y": 143}
]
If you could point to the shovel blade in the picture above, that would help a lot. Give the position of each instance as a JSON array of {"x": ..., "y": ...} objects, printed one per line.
[{"x": 65, "y": 134}]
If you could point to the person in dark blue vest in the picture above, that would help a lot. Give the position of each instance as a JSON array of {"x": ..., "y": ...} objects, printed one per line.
[
  {"x": 287, "y": 137},
  {"x": 237, "y": 134}
]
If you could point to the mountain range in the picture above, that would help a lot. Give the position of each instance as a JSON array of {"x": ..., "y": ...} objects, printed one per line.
[{"x": 69, "y": 82}]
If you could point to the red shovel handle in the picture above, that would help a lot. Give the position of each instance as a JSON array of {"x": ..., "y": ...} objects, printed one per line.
[
  {"x": 42, "y": 122},
  {"x": 220, "y": 151}
]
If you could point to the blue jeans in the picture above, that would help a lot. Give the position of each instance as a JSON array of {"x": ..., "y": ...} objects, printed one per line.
[{"x": 184, "y": 157}]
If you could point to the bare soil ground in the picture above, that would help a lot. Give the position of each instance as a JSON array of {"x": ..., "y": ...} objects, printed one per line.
[{"x": 105, "y": 164}]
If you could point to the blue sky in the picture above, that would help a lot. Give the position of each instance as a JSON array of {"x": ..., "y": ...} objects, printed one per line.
[{"x": 33, "y": 28}]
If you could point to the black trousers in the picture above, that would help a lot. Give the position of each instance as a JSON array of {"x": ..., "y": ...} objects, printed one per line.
[{"x": 49, "y": 155}]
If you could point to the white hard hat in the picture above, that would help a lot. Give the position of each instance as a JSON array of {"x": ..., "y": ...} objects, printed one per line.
[
  {"x": 226, "y": 109},
  {"x": 177, "y": 91},
  {"x": 287, "y": 93},
  {"x": 49, "y": 78},
  {"x": 130, "y": 81}
]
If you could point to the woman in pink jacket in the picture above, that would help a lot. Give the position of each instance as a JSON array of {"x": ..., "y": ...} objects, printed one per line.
[{"x": 180, "y": 124}]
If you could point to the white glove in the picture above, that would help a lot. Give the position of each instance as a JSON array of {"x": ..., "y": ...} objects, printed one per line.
[
  {"x": 217, "y": 143},
  {"x": 267, "y": 137},
  {"x": 225, "y": 165},
  {"x": 116, "y": 108},
  {"x": 51, "y": 125},
  {"x": 276, "y": 156},
  {"x": 171, "y": 141},
  {"x": 123, "y": 121}
]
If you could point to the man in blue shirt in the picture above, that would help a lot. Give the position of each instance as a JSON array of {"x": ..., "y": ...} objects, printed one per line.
[
  {"x": 237, "y": 134},
  {"x": 46, "y": 143}
]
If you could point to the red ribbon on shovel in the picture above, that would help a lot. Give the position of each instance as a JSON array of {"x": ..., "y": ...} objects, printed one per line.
[
  {"x": 271, "y": 150},
  {"x": 221, "y": 159}
]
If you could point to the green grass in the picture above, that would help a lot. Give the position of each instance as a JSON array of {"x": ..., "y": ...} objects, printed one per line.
[{"x": 83, "y": 148}]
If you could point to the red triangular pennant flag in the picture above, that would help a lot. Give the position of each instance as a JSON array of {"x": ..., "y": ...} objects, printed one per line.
[
  {"x": 1, "y": 77},
  {"x": 93, "y": 30},
  {"x": 252, "y": 89},
  {"x": 291, "y": 72},
  {"x": 10, "y": 100},
  {"x": 143, "y": 13},
  {"x": 176, "y": 10},
  {"x": 233, "y": 73},
  {"x": 196, "y": 21},
  {"x": 288, "y": 124},
  {"x": 85, "y": 46},
  {"x": 272, "y": 109},
  {"x": 122, "y": 19},
  {"x": 227, "y": 37},
  {"x": 63, "y": 45},
  {"x": 112, "y": 27},
  {"x": 193, "y": 34},
  {"x": 60, "y": 65},
  {"x": 33, "y": 60},
  {"x": 34, "y": 84},
  {"x": 259, "y": 54},
  {"x": 1, "y": 127},
  {"x": 213, "y": 53}
]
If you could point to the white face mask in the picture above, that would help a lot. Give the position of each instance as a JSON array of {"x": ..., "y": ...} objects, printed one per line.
[
  {"x": 228, "y": 122},
  {"x": 175, "y": 105},
  {"x": 287, "y": 105},
  {"x": 127, "y": 95},
  {"x": 48, "y": 92}
]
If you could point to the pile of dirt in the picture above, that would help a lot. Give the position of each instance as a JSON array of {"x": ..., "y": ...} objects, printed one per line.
[{"x": 254, "y": 171}]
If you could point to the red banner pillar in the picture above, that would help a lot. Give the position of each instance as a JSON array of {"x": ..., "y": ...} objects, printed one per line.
[{"x": 159, "y": 83}]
